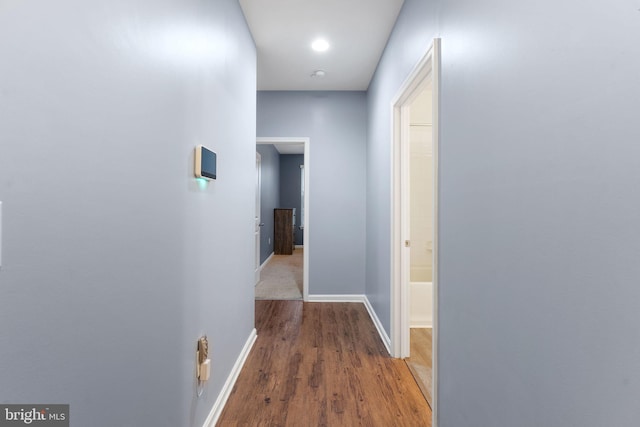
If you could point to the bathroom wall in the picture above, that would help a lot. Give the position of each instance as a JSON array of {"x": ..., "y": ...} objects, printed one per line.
[{"x": 421, "y": 188}]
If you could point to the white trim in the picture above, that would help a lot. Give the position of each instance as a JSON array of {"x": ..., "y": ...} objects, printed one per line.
[
  {"x": 428, "y": 68},
  {"x": 336, "y": 298},
  {"x": 299, "y": 246},
  {"x": 378, "y": 324},
  {"x": 360, "y": 299},
  {"x": 305, "y": 233},
  {"x": 436, "y": 222},
  {"x": 218, "y": 406},
  {"x": 258, "y": 217}
]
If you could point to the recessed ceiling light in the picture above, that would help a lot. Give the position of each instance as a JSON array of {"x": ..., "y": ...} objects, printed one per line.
[
  {"x": 320, "y": 45},
  {"x": 318, "y": 73}
]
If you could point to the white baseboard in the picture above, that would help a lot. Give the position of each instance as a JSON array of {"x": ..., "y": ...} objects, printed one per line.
[
  {"x": 299, "y": 246},
  {"x": 364, "y": 300},
  {"x": 266, "y": 261},
  {"x": 336, "y": 298},
  {"x": 218, "y": 406},
  {"x": 376, "y": 321}
]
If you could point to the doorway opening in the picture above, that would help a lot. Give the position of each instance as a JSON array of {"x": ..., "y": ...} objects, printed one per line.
[
  {"x": 414, "y": 247},
  {"x": 257, "y": 218},
  {"x": 285, "y": 217},
  {"x": 420, "y": 189}
]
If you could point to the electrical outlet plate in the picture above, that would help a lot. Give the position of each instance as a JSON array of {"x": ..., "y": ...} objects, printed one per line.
[
  {"x": 202, "y": 359},
  {"x": 203, "y": 349}
]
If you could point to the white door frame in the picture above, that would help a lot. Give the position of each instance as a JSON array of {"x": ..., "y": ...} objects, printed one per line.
[
  {"x": 305, "y": 233},
  {"x": 428, "y": 69},
  {"x": 258, "y": 219}
]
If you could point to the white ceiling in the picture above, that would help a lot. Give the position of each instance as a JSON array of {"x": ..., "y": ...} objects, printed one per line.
[
  {"x": 284, "y": 29},
  {"x": 290, "y": 148},
  {"x": 287, "y": 148}
]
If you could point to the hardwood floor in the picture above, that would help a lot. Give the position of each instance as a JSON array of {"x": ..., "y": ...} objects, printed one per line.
[
  {"x": 322, "y": 364},
  {"x": 420, "y": 362}
]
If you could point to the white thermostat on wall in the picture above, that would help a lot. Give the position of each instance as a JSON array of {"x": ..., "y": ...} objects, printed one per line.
[{"x": 205, "y": 166}]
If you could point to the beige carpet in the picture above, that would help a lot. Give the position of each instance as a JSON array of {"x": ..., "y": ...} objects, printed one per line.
[{"x": 281, "y": 278}]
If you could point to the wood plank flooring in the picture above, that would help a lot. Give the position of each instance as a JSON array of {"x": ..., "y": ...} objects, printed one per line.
[
  {"x": 322, "y": 364},
  {"x": 420, "y": 362}
]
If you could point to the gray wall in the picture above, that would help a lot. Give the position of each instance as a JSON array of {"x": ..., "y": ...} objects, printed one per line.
[
  {"x": 539, "y": 236},
  {"x": 335, "y": 122},
  {"x": 279, "y": 187},
  {"x": 115, "y": 259},
  {"x": 415, "y": 28},
  {"x": 269, "y": 197},
  {"x": 290, "y": 188}
]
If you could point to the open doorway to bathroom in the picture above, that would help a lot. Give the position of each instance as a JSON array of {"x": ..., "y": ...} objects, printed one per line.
[
  {"x": 284, "y": 242},
  {"x": 421, "y": 213},
  {"x": 414, "y": 314}
]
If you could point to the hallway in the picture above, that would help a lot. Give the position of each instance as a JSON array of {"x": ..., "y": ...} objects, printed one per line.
[{"x": 322, "y": 364}]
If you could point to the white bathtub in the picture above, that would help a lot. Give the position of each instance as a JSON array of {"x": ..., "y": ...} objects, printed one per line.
[{"x": 421, "y": 304}]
